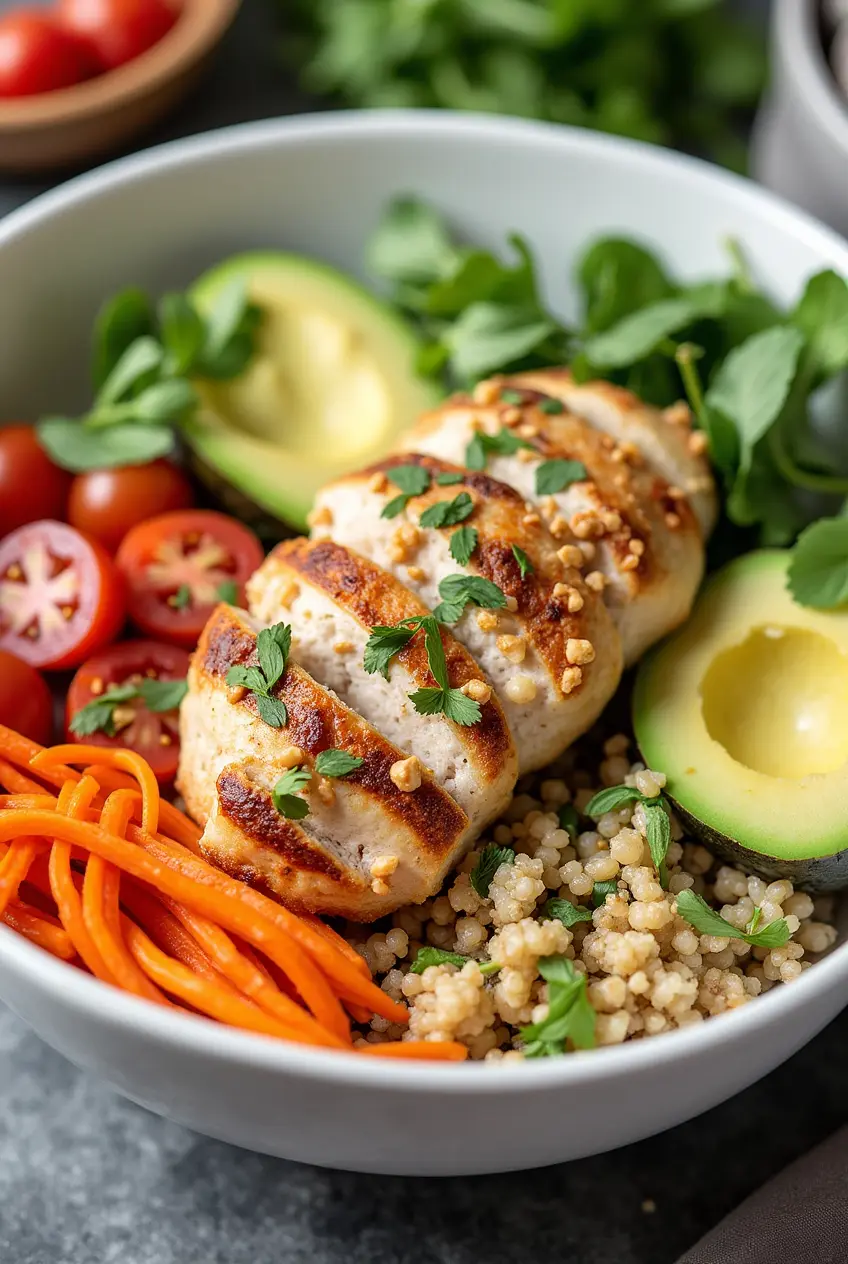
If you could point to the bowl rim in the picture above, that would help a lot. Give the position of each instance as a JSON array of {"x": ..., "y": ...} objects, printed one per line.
[
  {"x": 200, "y": 25},
  {"x": 204, "y": 1038},
  {"x": 797, "y": 36}
]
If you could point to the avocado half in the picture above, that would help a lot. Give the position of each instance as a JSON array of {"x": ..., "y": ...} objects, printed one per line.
[
  {"x": 746, "y": 712},
  {"x": 332, "y": 386}
]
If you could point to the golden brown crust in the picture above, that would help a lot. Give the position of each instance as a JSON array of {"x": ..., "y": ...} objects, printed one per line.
[{"x": 375, "y": 597}]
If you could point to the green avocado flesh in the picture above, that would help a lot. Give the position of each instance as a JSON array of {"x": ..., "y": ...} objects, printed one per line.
[
  {"x": 746, "y": 712},
  {"x": 331, "y": 388}
]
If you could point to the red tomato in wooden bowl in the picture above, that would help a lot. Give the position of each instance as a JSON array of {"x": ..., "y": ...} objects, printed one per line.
[
  {"x": 178, "y": 567},
  {"x": 61, "y": 596},
  {"x": 26, "y": 704},
  {"x": 129, "y": 695},
  {"x": 117, "y": 31},
  {"x": 39, "y": 55}
]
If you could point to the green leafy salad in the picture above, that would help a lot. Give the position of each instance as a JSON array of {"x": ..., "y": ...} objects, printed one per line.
[{"x": 756, "y": 376}]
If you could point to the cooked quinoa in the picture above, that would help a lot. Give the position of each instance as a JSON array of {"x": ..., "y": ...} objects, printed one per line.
[{"x": 648, "y": 970}]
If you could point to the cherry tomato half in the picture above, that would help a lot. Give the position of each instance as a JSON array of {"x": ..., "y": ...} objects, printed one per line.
[
  {"x": 26, "y": 704},
  {"x": 61, "y": 596},
  {"x": 106, "y": 504},
  {"x": 117, "y": 31},
  {"x": 39, "y": 55},
  {"x": 153, "y": 734},
  {"x": 31, "y": 486},
  {"x": 179, "y": 566}
]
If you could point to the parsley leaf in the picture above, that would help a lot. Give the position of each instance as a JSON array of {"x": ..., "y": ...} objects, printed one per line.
[
  {"x": 181, "y": 599},
  {"x": 228, "y": 591},
  {"x": 286, "y": 799},
  {"x": 570, "y": 1014},
  {"x": 98, "y": 716},
  {"x": 707, "y": 921},
  {"x": 512, "y": 397},
  {"x": 463, "y": 542},
  {"x": 460, "y": 709},
  {"x": 658, "y": 830},
  {"x": 566, "y": 912},
  {"x": 411, "y": 479},
  {"x": 482, "y": 446},
  {"x": 426, "y": 957},
  {"x": 272, "y": 711},
  {"x": 489, "y": 861},
  {"x": 818, "y": 570},
  {"x": 395, "y": 506},
  {"x": 272, "y": 646},
  {"x": 554, "y": 476},
  {"x": 448, "y": 513},
  {"x": 162, "y": 695},
  {"x": 449, "y": 480},
  {"x": 385, "y": 641},
  {"x": 458, "y": 591},
  {"x": 569, "y": 820},
  {"x": 553, "y": 407},
  {"x": 601, "y": 890},
  {"x": 525, "y": 566},
  {"x": 337, "y": 763},
  {"x": 610, "y": 799}
]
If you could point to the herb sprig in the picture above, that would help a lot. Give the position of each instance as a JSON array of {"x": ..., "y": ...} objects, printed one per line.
[
  {"x": 570, "y": 1014},
  {"x": 388, "y": 640},
  {"x": 273, "y": 646},
  {"x": 459, "y": 591},
  {"x": 98, "y": 716},
  {"x": 286, "y": 797},
  {"x": 657, "y": 822},
  {"x": 707, "y": 921},
  {"x": 488, "y": 862},
  {"x": 428, "y": 956}
]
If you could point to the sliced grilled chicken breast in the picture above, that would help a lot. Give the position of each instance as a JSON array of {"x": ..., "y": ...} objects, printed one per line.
[
  {"x": 664, "y": 438},
  {"x": 554, "y": 655},
  {"x": 643, "y": 540},
  {"x": 333, "y": 598},
  {"x": 381, "y": 837}
]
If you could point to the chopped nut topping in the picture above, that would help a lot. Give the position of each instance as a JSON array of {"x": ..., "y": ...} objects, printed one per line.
[
  {"x": 629, "y": 563},
  {"x": 343, "y": 647},
  {"x": 235, "y": 693},
  {"x": 586, "y": 525},
  {"x": 579, "y": 651},
  {"x": 596, "y": 580},
  {"x": 573, "y": 599},
  {"x": 531, "y": 520},
  {"x": 384, "y": 866},
  {"x": 416, "y": 574},
  {"x": 512, "y": 647},
  {"x": 549, "y": 507},
  {"x": 512, "y": 604},
  {"x": 526, "y": 455},
  {"x": 521, "y": 689},
  {"x": 291, "y": 757},
  {"x": 320, "y": 517},
  {"x": 697, "y": 443},
  {"x": 672, "y": 521},
  {"x": 571, "y": 555},
  {"x": 378, "y": 482},
  {"x": 477, "y": 691},
  {"x": 679, "y": 414},
  {"x": 406, "y": 773},
  {"x": 528, "y": 430},
  {"x": 558, "y": 526},
  {"x": 406, "y": 539},
  {"x": 571, "y": 678},
  {"x": 487, "y": 620},
  {"x": 636, "y": 546},
  {"x": 486, "y": 392},
  {"x": 326, "y": 791},
  {"x": 379, "y": 887},
  {"x": 611, "y": 520},
  {"x": 587, "y": 548},
  {"x": 511, "y": 417}
]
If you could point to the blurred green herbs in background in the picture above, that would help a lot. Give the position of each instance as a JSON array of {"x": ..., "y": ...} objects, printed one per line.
[{"x": 676, "y": 72}]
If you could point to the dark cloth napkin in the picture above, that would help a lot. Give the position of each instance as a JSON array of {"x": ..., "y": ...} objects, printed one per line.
[{"x": 799, "y": 1217}]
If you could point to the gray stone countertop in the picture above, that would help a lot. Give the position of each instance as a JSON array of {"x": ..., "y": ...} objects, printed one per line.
[{"x": 87, "y": 1178}]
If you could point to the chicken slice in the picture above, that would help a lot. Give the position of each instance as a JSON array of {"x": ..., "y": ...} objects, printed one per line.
[
  {"x": 553, "y": 655},
  {"x": 643, "y": 540},
  {"x": 383, "y": 836},
  {"x": 333, "y": 598}
]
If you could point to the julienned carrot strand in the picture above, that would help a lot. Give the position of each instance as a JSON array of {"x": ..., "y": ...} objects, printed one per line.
[
  {"x": 166, "y": 932},
  {"x": 101, "y": 913},
  {"x": 210, "y": 998},
  {"x": 333, "y": 937},
  {"x": 34, "y": 926},
  {"x": 74, "y": 801},
  {"x": 25, "y": 800},
  {"x": 17, "y": 782},
  {"x": 14, "y": 867},
  {"x": 172, "y": 822},
  {"x": 426, "y": 1050},
  {"x": 126, "y": 760},
  {"x": 240, "y": 969}
]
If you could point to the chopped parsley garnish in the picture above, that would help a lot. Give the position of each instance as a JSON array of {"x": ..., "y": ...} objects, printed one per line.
[
  {"x": 601, "y": 890},
  {"x": 524, "y": 563},
  {"x": 512, "y": 397},
  {"x": 482, "y": 446},
  {"x": 388, "y": 640},
  {"x": 610, "y": 799},
  {"x": 440, "y": 957},
  {"x": 657, "y": 823},
  {"x": 570, "y": 1013},
  {"x": 413, "y": 480},
  {"x": 553, "y": 407},
  {"x": 98, "y": 716},
  {"x": 463, "y": 542},
  {"x": 569, "y": 820},
  {"x": 554, "y": 476},
  {"x": 449, "y": 480},
  {"x": 706, "y": 921},
  {"x": 272, "y": 646},
  {"x": 458, "y": 591},
  {"x": 181, "y": 599},
  {"x": 566, "y": 912},
  {"x": 448, "y": 513},
  {"x": 228, "y": 591},
  {"x": 489, "y": 861},
  {"x": 286, "y": 799},
  {"x": 337, "y": 763}
]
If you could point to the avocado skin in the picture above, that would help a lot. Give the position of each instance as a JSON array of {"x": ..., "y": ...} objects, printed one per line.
[{"x": 817, "y": 874}]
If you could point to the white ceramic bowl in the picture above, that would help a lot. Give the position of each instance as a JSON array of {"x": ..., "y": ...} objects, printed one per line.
[
  {"x": 800, "y": 144},
  {"x": 317, "y": 185}
]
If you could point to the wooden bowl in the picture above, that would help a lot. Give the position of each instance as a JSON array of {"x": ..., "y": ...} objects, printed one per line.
[{"x": 73, "y": 125}]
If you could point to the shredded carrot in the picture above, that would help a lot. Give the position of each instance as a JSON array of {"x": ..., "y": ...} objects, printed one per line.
[
  {"x": 426, "y": 1050},
  {"x": 127, "y": 894}
]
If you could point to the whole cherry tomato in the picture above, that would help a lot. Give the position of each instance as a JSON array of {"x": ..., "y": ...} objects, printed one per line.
[
  {"x": 37, "y": 54},
  {"x": 26, "y": 704},
  {"x": 147, "y": 720},
  {"x": 106, "y": 504},
  {"x": 179, "y": 566},
  {"x": 31, "y": 486},
  {"x": 61, "y": 596},
  {"x": 117, "y": 31}
]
